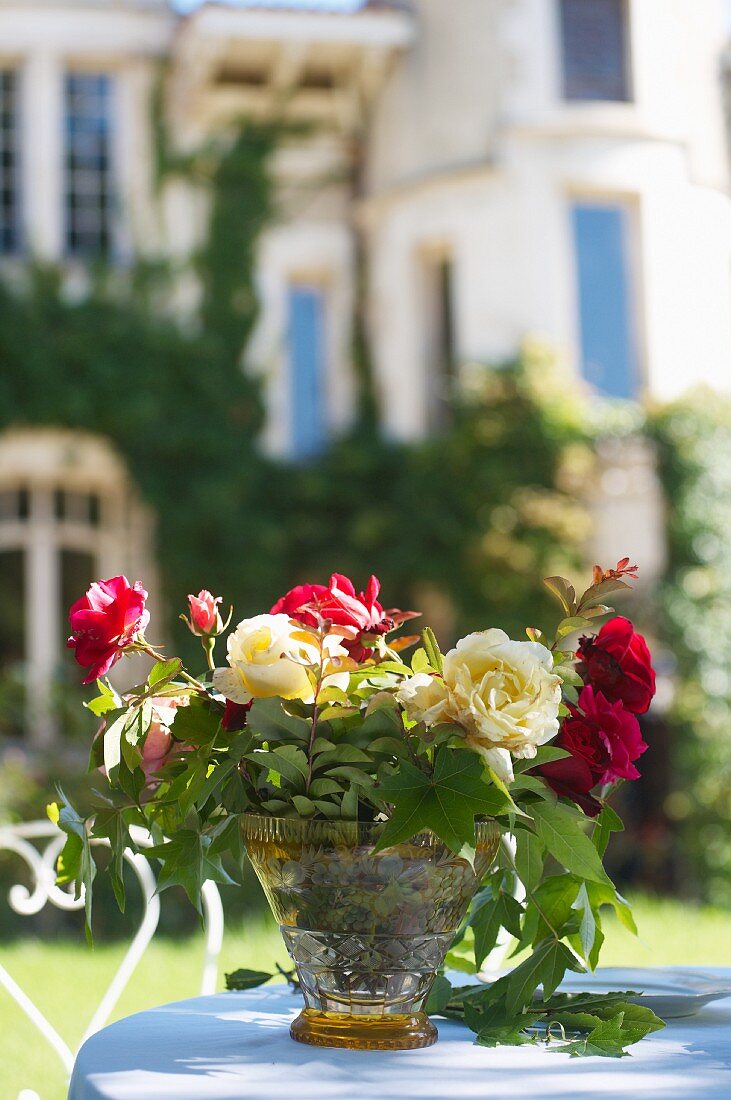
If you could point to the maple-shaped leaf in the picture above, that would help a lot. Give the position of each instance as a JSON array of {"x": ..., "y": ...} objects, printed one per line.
[
  {"x": 446, "y": 802},
  {"x": 607, "y": 1040}
]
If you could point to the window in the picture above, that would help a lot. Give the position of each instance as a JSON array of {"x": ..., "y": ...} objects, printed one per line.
[
  {"x": 601, "y": 232},
  {"x": 307, "y": 350},
  {"x": 88, "y": 185},
  {"x": 595, "y": 49},
  {"x": 68, "y": 513},
  {"x": 9, "y": 191},
  {"x": 440, "y": 334}
]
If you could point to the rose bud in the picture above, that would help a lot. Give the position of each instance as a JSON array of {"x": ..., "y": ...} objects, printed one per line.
[{"x": 205, "y": 620}]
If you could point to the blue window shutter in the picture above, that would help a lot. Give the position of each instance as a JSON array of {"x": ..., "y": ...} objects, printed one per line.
[
  {"x": 307, "y": 370},
  {"x": 608, "y": 346}
]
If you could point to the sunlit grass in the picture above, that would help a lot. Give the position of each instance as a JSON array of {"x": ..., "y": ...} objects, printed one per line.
[{"x": 67, "y": 979}]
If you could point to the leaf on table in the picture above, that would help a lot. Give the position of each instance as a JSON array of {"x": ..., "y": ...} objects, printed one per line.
[
  {"x": 607, "y": 1040},
  {"x": 246, "y": 979}
]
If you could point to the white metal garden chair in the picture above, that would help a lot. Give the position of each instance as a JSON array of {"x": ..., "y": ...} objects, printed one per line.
[{"x": 38, "y": 844}]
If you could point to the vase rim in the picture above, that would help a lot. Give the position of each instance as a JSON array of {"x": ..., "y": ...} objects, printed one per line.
[{"x": 347, "y": 833}]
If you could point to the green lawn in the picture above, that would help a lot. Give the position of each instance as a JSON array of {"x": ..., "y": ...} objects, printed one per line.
[{"x": 66, "y": 976}]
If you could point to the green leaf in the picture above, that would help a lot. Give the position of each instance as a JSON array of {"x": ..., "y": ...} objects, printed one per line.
[
  {"x": 553, "y": 901},
  {"x": 431, "y": 647},
  {"x": 637, "y": 1020},
  {"x": 110, "y": 824},
  {"x": 219, "y": 773},
  {"x": 569, "y": 675},
  {"x": 163, "y": 671},
  {"x": 545, "y": 967},
  {"x": 601, "y": 894},
  {"x": 501, "y": 912},
  {"x": 352, "y": 775},
  {"x": 342, "y": 754},
  {"x": 247, "y": 979},
  {"x": 588, "y": 926},
  {"x": 445, "y": 802},
  {"x": 607, "y": 1040},
  {"x": 529, "y": 857},
  {"x": 112, "y": 741},
  {"x": 271, "y": 723},
  {"x": 107, "y": 700},
  {"x": 305, "y": 807},
  {"x": 503, "y": 1036},
  {"x": 562, "y": 836},
  {"x": 571, "y": 625},
  {"x": 420, "y": 661},
  {"x": 605, "y": 824},
  {"x": 187, "y": 861},
  {"x": 563, "y": 591},
  {"x": 544, "y": 755},
  {"x": 198, "y": 723},
  {"x": 439, "y": 996},
  {"x": 287, "y": 761},
  {"x": 319, "y": 788},
  {"x": 598, "y": 592},
  {"x": 75, "y": 863}
]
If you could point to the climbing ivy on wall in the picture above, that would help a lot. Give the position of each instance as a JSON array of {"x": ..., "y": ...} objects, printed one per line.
[
  {"x": 694, "y": 444},
  {"x": 481, "y": 500}
]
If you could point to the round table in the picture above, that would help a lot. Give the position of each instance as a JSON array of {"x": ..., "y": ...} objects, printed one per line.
[{"x": 236, "y": 1045}]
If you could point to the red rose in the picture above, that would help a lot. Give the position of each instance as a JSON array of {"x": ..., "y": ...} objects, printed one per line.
[
  {"x": 104, "y": 622},
  {"x": 617, "y": 662},
  {"x": 235, "y": 716},
  {"x": 603, "y": 739},
  {"x": 620, "y": 731},
  {"x": 359, "y": 615}
]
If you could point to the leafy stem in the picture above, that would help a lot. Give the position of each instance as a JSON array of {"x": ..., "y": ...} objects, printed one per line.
[{"x": 315, "y": 711}]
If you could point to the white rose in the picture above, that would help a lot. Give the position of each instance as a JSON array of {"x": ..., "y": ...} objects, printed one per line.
[
  {"x": 504, "y": 695},
  {"x": 425, "y": 699},
  {"x": 267, "y": 655}
]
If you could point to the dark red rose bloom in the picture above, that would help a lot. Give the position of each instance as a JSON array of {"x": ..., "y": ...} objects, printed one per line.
[
  {"x": 603, "y": 739},
  {"x": 235, "y": 716},
  {"x": 360, "y": 616},
  {"x": 104, "y": 622},
  {"x": 617, "y": 663}
]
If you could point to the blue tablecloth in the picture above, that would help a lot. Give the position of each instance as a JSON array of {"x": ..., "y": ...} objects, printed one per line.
[{"x": 236, "y": 1045}]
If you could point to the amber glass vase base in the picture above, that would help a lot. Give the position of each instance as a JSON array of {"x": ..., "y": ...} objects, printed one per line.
[{"x": 396, "y": 1031}]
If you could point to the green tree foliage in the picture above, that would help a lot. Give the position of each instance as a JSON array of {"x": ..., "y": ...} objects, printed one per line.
[{"x": 694, "y": 444}]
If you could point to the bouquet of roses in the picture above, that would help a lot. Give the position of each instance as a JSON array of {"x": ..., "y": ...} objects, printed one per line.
[{"x": 316, "y": 714}]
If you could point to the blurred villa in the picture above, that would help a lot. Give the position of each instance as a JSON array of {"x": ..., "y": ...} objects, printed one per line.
[{"x": 555, "y": 169}]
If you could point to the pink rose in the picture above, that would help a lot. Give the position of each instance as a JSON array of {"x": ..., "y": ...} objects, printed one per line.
[
  {"x": 204, "y": 616},
  {"x": 159, "y": 740},
  {"x": 358, "y": 616},
  {"x": 104, "y": 622}
]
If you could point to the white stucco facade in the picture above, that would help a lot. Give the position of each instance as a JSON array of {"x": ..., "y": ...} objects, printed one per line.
[
  {"x": 441, "y": 137},
  {"x": 469, "y": 149}
]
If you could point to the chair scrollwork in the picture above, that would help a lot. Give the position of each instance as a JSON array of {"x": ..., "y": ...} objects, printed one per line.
[{"x": 38, "y": 844}]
